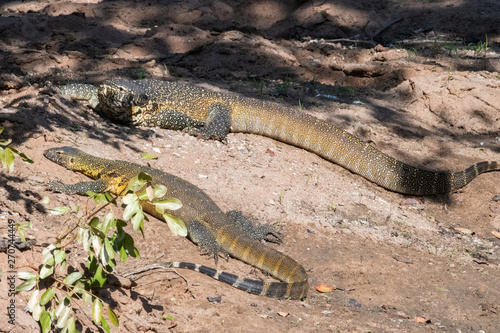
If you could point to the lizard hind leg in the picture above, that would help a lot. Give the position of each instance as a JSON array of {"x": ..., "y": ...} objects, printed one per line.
[
  {"x": 200, "y": 234},
  {"x": 266, "y": 232}
]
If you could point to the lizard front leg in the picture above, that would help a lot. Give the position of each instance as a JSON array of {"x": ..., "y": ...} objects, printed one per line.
[
  {"x": 172, "y": 119},
  {"x": 96, "y": 186},
  {"x": 218, "y": 123}
]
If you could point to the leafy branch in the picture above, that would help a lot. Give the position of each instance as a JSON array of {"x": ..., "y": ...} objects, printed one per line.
[
  {"x": 7, "y": 154},
  {"x": 104, "y": 240}
]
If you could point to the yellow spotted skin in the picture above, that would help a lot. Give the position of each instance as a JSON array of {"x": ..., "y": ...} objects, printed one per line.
[
  {"x": 208, "y": 226},
  {"x": 176, "y": 106}
]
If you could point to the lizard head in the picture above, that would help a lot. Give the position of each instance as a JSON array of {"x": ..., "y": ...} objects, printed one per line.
[
  {"x": 117, "y": 98},
  {"x": 67, "y": 156}
]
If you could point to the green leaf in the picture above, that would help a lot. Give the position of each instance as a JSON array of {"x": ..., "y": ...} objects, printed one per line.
[
  {"x": 177, "y": 226},
  {"x": 26, "y": 275},
  {"x": 100, "y": 198},
  {"x": 94, "y": 222},
  {"x": 131, "y": 209},
  {"x": 136, "y": 183},
  {"x": 111, "y": 265},
  {"x": 86, "y": 298},
  {"x": 70, "y": 326},
  {"x": 45, "y": 321},
  {"x": 99, "y": 277},
  {"x": 128, "y": 248},
  {"x": 112, "y": 317},
  {"x": 160, "y": 190},
  {"x": 5, "y": 142},
  {"x": 167, "y": 204},
  {"x": 96, "y": 244},
  {"x": 47, "y": 296},
  {"x": 33, "y": 300},
  {"x": 108, "y": 222},
  {"x": 84, "y": 237},
  {"x": 137, "y": 220},
  {"x": 63, "y": 266},
  {"x": 9, "y": 159},
  {"x": 104, "y": 255},
  {"x": 21, "y": 227},
  {"x": 123, "y": 254},
  {"x": 144, "y": 176},
  {"x": 97, "y": 311},
  {"x": 2, "y": 157},
  {"x": 46, "y": 270},
  {"x": 21, "y": 155},
  {"x": 48, "y": 259},
  {"x": 58, "y": 210},
  {"x": 37, "y": 310},
  {"x": 129, "y": 198},
  {"x": 104, "y": 324},
  {"x": 143, "y": 195},
  {"x": 97, "y": 232},
  {"x": 63, "y": 318},
  {"x": 59, "y": 256},
  {"x": 72, "y": 278},
  {"x": 109, "y": 248},
  {"x": 26, "y": 285},
  {"x": 149, "y": 156},
  {"x": 64, "y": 304}
]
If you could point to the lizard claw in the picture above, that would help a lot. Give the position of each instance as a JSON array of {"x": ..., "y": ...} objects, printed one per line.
[{"x": 214, "y": 251}]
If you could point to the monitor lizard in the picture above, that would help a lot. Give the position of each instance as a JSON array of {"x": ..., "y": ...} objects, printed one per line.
[
  {"x": 218, "y": 233},
  {"x": 177, "y": 106}
]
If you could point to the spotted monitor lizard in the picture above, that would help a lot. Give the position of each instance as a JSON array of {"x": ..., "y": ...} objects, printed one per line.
[
  {"x": 177, "y": 106},
  {"x": 208, "y": 226}
]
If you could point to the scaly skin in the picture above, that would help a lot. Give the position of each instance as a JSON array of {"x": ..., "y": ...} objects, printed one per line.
[
  {"x": 176, "y": 106},
  {"x": 209, "y": 227}
]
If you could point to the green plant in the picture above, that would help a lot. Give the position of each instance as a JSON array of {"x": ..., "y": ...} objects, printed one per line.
[
  {"x": 451, "y": 49},
  {"x": 104, "y": 240},
  {"x": 434, "y": 48},
  {"x": 62, "y": 79},
  {"x": 282, "y": 88},
  {"x": 344, "y": 91},
  {"x": 412, "y": 53},
  {"x": 258, "y": 84},
  {"x": 7, "y": 154},
  {"x": 141, "y": 75},
  {"x": 479, "y": 47}
]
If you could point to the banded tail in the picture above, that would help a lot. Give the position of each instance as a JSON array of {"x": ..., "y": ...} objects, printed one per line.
[
  {"x": 269, "y": 289},
  {"x": 332, "y": 143}
]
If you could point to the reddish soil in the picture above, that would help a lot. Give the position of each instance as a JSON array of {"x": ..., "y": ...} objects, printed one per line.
[{"x": 411, "y": 84}]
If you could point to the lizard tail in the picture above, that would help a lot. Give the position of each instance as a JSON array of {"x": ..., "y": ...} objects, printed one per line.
[
  {"x": 294, "y": 290},
  {"x": 338, "y": 146}
]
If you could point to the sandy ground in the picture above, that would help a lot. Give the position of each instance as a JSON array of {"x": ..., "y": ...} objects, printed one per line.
[{"x": 412, "y": 85}]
